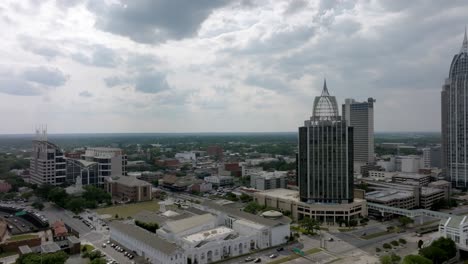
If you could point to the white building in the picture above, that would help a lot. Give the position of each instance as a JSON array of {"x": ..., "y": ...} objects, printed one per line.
[
  {"x": 411, "y": 163},
  {"x": 381, "y": 175},
  {"x": 146, "y": 244},
  {"x": 426, "y": 158},
  {"x": 265, "y": 180},
  {"x": 186, "y": 156},
  {"x": 175, "y": 230},
  {"x": 387, "y": 164},
  {"x": 267, "y": 232},
  {"x": 219, "y": 180},
  {"x": 112, "y": 162},
  {"x": 456, "y": 228},
  {"x": 248, "y": 170}
]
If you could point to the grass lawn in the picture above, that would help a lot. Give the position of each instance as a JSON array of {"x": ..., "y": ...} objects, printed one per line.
[
  {"x": 88, "y": 247},
  {"x": 295, "y": 256},
  {"x": 374, "y": 235},
  {"x": 127, "y": 210},
  {"x": 21, "y": 237}
]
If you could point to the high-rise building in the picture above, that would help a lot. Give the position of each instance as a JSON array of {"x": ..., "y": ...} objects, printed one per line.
[
  {"x": 455, "y": 119},
  {"x": 360, "y": 115},
  {"x": 111, "y": 162},
  {"x": 47, "y": 164},
  {"x": 325, "y": 154}
]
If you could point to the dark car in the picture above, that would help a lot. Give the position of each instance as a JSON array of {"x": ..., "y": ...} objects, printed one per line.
[
  {"x": 279, "y": 249},
  {"x": 257, "y": 260}
]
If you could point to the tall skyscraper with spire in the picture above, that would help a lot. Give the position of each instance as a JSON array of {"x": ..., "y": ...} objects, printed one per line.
[
  {"x": 454, "y": 99},
  {"x": 325, "y": 154}
]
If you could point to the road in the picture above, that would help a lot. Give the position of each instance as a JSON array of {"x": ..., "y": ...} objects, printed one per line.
[{"x": 54, "y": 213}]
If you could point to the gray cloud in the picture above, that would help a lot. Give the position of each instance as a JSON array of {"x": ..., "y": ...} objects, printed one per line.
[
  {"x": 153, "y": 21},
  {"x": 18, "y": 87},
  {"x": 147, "y": 82},
  {"x": 40, "y": 47},
  {"x": 86, "y": 94},
  {"x": 151, "y": 83},
  {"x": 46, "y": 76},
  {"x": 268, "y": 82},
  {"x": 100, "y": 56}
]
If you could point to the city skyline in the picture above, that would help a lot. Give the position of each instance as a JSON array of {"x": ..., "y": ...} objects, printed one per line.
[{"x": 227, "y": 66}]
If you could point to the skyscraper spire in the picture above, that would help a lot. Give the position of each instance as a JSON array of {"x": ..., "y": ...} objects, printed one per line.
[
  {"x": 325, "y": 89},
  {"x": 464, "y": 47}
]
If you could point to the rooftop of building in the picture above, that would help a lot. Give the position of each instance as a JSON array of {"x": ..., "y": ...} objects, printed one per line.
[
  {"x": 388, "y": 195},
  {"x": 217, "y": 232},
  {"x": 145, "y": 237},
  {"x": 415, "y": 176},
  {"x": 128, "y": 181},
  {"x": 430, "y": 191},
  {"x": 270, "y": 174},
  {"x": 104, "y": 149},
  {"x": 239, "y": 214},
  {"x": 439, "y": 183},
  {"x": 455, "y": 221},
  {"x": 286, "y": 194},
  {"x": 188, "y": 223}
]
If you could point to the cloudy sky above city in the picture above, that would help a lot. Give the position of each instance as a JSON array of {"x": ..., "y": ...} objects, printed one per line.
[{"x": 221, "y": 66}]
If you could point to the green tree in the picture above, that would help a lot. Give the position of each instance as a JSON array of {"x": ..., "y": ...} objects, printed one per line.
[
  {"x": 386, "y": 259},
  {"x": 253, "y": 208},
  {"x": 93, "y": 193},
  {"x": 98, "y": 261},
  {"x": 152, "y": 227},
  {"x": 420, "y": 243},
  {"x": 58, "y": 196},
  {"x": 416, "y": 259},
  {"x": 155, "y": 183},
  {"x": 378, "y": 250},
  {"x": 26, "y": 195},
  {"x": 404, "y": 221},
  {"x": 245, "y": 198},
  {"x": 59, "y": 257},
  {"x": 440, "y": 250},
  {"x": 38, "y": 205},
  {"x": 310, "y": 225},
  {"x": 387, "y": 246},
  {"x": 402, "y": 241},
  {"x": 353, "y": 222},
  {"x": 395, "y": 243},
  {"x": 75, "y": 204}
]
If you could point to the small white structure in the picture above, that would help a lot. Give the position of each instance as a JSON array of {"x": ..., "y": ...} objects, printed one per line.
[{"x": 186, "y": 156}]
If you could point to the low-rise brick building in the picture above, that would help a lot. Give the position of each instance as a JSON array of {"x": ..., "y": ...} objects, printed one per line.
[{"x": 127, "y": 188}]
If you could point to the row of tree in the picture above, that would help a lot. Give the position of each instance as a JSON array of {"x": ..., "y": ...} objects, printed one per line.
[
  {"x": 91, "y": 197},
  {"x": 152, "y": 227}
]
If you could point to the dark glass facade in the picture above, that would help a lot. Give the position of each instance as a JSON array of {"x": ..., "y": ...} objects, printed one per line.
[{"x": 325, "y": 155}]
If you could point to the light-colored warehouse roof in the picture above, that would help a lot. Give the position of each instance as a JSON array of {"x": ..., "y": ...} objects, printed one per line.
[
  {"x": 188, "y": 223},
  {"x": 145, "y": 237}
]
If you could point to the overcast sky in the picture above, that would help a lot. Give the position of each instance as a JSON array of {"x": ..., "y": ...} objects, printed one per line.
[{"x": 221, "y": 66}]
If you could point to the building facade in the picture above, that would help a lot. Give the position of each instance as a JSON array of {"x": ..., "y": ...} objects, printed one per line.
[
  {"x": 47, "y": 164},
  {"x": 111, "y": 162},
  {"x": 325, "y": 154},
  {"x": 127, "y": 188},
  {"x": 360, "y": 116},
  {"x": 454, "y": 119},
  {"x": 268, "y": 180}
]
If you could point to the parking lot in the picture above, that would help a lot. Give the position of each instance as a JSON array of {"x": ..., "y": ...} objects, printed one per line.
[{"x": 16, "y": 224}]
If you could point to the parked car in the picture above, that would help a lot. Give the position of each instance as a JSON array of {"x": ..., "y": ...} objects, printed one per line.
[
  {"x": 279, "y": 249},
  {"x": 273, "y": 256},
  {"x": 248, "y": 259},
  {"x": 257, "y": 260}
]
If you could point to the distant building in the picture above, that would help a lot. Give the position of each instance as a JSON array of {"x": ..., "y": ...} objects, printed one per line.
[
  {"x": 170, "y": 163},
  {"x": 47, "y": 164},
  {"x": 360, "y": 116},
  {"x": 215, "y": 152},
  {"x": 454, "y": 116},
  {"x": 325, "y": 164},
  {"x": 186, "y": 156},
  {"x": 265, "y": 180},
  {"x": 126, "y": 188},
  {"x": 436, "y": 157},
  {"x": 219, "y": 181},
  {"x": 111, "y": 162},
  {"x": 426, "y": 158},
  {"x": 412, "y": 178},
  {"x": 4, "y": 186},
  {"x": 202, "y": 187},
  {"x": 410, "y": 164},
  {"x": 248, "y": 170},
  {"x": 59, "y": 230}
]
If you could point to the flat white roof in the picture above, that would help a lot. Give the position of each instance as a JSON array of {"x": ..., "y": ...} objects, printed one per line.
[{"x": 208, "y": 234}]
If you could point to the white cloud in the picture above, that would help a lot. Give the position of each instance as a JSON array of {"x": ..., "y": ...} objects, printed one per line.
[{"x": 221, "y": 65}]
